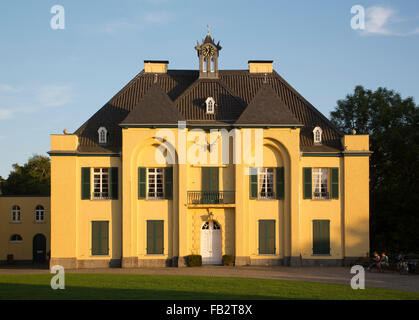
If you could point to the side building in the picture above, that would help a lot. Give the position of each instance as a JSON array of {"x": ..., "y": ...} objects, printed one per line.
[{"x": 25, "y": 229}]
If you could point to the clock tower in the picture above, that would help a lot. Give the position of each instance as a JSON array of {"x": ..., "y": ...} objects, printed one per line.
[{"x": 208, "y": 53}]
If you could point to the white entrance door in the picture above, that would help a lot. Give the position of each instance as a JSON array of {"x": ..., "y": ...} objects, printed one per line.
[{"x": 211, "y": 243}]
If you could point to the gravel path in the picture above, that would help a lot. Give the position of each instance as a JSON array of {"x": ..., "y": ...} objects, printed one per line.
[{"x": 339, "y": 275}]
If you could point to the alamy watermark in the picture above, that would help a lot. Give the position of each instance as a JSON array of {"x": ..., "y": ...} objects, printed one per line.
[
  {"x": 58, "y": 281},
  {"x": 358, "y": 20},
  {"x": 58, "y": 20},
  {"x": 197, "y": 147},
  {"x": 358, "y": 280}
]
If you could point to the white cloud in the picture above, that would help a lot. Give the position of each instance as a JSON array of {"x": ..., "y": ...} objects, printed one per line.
[
  {"x": 6, "y": 114},
  {"x": 384, "y": 21},
  {"x": 54, "y": 95},
  {"x": 7, "y": 88},
  {"x": 377, "y": 20}
]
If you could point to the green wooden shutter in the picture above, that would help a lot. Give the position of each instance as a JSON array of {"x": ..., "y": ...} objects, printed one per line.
[
  {"x": 155, "y": 238},
  {"x": 334, "y": 186},
  {"x": 114, "y": 183},
  {"x": 280, "y": 188},
  {"x": 210, "y": 179},
  {"x": 85, "y": 183},
  {"x": 100, "y": 237},
  {"x": 215, "y": 178},
  {"x": 141, "y": 182},
  {"x": 307, "y": 183},
  {"x": 266, "y": 236},
  {"x": 168, "y": 182},
  {"x": 321, "y": 237},
  {"x": 253, "y": 183},
  {"x": 158, "y": 236}
]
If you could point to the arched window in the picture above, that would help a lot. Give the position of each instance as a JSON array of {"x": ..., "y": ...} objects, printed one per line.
[
  {"x": 103, "y": 135},
  {"x": 204, "y": 66},
  {"x": 16, "y": 238},
  {"x": 210, "y": 103},
  {"x": 15, "y": 214},
  {"x": 317, "y": 135},
  {"x": 212, "y": 65},
  {"x": 39, "y": 213}
]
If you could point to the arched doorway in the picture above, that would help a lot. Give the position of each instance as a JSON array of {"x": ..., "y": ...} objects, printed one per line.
[
  {"x": 39, "y": 248},
  {"x": 211, "y": 243}
]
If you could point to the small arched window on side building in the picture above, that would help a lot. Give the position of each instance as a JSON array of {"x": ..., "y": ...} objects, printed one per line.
[
  {"x": 103, "y": 135},
  {"x": 15, "y": 214},
  {"x": 210, "y": 104},
  {"x": 16, "y": 238},
  {"x": 39, "y": 214},
  {"x": 317, "y": 135}
]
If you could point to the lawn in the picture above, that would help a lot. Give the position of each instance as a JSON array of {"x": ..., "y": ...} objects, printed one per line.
[{"x": 150, "y": 287}]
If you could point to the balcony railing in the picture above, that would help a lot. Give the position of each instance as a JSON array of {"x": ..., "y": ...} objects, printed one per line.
[{"x": 211, "y": 197}]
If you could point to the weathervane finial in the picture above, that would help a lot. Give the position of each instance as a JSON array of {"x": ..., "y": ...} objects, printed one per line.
[{"x": 208, "y": 28}]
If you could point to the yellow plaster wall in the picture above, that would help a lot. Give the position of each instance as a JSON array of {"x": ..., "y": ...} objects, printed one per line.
[
  {"x": 72, "y": 217},
  {"x": 313, "y": 209}
]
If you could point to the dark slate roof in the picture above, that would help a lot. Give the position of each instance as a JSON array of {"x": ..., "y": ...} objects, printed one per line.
[
  {"x": 232, "y": 92},
  {"x": 267, "y": 108},
  {"x": 155, "y": 107},
  {"x": 191, "y": 103}
]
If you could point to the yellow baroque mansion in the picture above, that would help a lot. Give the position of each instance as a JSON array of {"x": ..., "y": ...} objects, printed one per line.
[{"x": 139, "y": 184}]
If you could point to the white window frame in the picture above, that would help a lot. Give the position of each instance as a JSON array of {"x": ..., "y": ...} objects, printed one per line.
[
  {"x": 39, "y": 213},
  {"x": 317, "y": 135},
  {"x": 103, "y": 135},
  {"x": 266, "y": 183},
  {"x": 210, "y": 105},
  {"x": 15, "y": 213},
  {"x": 212, "y": 64},
  {"x": 320, "y": 183},
  {"x": 101, "y": 184},
  {"x": 153, "y": 186},
  {"x": 15, "y": 241}
]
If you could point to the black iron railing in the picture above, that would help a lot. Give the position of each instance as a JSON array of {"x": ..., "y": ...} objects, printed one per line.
[{"x": 211, "y": 197}]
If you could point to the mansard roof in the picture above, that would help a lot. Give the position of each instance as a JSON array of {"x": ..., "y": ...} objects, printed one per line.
[
  {"x": 233, "y": 93},
  {"x": 267, "y": 108}
]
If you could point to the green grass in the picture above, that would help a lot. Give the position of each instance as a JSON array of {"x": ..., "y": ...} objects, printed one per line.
[{"x": 150, "y": 287}]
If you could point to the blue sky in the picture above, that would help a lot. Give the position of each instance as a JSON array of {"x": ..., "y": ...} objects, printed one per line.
[{"x": 56, "y": 79}]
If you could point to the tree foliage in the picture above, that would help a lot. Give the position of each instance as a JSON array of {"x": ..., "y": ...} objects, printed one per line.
[
  {"x": 392, "y": 123},
  {"x": 33, "y": 178}
]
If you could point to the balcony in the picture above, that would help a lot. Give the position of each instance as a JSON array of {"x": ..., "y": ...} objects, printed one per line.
[{"x": 211, "y": 197}]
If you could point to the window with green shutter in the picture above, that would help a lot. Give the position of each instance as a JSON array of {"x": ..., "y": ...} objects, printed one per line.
[
  {"x": 266, "y": 236},
  {"x": 210, "y": 178},
  {"x": 334, "y": 184},
  {"x": 307, "y": 192},
  {"x": 141, "y": 182},
  {"x": 253, "y": 183},
  {"x": 168, "y": 182},
  {"x": 114, "y": 183},
  {"x": 100, "y": 238},
  {"x": 280, "y": 183},
  {"x": 85, "y": 183},
  {"x": 155, "y": 239},
  {"x": 321, "y": 237}
]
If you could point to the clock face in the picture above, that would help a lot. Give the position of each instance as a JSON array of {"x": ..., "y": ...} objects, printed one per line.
[{"x": 208, "y": 51}]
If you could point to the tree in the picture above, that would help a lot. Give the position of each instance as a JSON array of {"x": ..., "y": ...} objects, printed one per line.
[
  {"x": 392, "y": 123},
  {"x": 33, "y": 178}
]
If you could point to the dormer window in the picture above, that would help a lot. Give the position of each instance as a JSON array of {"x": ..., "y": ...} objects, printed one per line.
[
  {"x": 317, "y": 135},
  {"x": 103, "y": 135},
  {"x": 210, "y": 105}
]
